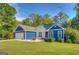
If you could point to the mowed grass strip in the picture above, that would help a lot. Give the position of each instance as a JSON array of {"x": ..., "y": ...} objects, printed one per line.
[{"x": 38, "y": 48}]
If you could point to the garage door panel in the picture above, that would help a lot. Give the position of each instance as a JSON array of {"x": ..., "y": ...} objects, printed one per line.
[
  {"x": 30, "y": 35},
  {"x": 19, "y": 35}
]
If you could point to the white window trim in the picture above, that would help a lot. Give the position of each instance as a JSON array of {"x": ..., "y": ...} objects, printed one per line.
[
  {"x": 52, "y": 34},
  {"x": 41, "y": 34},
  {"x": 61, "y": 34}
]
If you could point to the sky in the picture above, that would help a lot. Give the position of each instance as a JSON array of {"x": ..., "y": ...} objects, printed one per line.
[{"x": 24, "y": 9}]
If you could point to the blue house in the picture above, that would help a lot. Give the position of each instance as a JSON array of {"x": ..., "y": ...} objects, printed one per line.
[{"x": 42, "y": 31}]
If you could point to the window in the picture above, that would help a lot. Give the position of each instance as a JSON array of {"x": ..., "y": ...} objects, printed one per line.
[
  {"x": 60, "y": 34},
  {"x": 46, "y": 34},
  {"x": 40, "y": 34},
  {"x": 51, "y": 34}
]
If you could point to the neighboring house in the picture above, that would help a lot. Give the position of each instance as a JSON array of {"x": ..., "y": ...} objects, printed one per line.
[{"x": 45, "y": 31}]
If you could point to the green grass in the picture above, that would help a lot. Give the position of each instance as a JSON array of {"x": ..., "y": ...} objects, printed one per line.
[{"x": 38, "y": 48}]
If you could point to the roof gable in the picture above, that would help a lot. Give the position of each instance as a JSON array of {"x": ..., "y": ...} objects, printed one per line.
[
  {"x": 53, "y": 26},
  {"x": 56, "y": 27},
  {"x": 19, "y": 28}
]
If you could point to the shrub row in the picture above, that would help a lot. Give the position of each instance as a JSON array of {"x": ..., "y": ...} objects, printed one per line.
[
  {"x": 53, "y": 39},
  {"x": 49, "y": 39}
]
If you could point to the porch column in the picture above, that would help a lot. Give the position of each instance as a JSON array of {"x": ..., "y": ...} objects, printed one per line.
[
  {"x": 37, "y": 35},
  {"x": 25, "y": 35},
  {"x": 63, "y": 35}
]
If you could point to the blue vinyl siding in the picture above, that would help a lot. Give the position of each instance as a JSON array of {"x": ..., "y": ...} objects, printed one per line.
[
  {"x": 19, "y": 29},
  {"x": 55, "y": 34},
  {"x": 55, "y": 29},
  {"x": 30, "y": 35}
]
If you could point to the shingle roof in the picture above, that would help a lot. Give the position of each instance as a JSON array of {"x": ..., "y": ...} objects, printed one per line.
[
  {"x": 47, "y": 26},
  {"x": 44, "y": 27},
  {"x": 28, "y": 28}
]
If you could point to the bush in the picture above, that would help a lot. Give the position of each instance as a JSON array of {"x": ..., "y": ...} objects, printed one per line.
[
  {"x": 49, "y": 39},
  {"x": 60, "y": 40},
  {"x": 73, "y": 35},
  {"x": 45, "y": 40},
  {"x": 69, "y": 41},
  {"x": 53, "y": 39}
]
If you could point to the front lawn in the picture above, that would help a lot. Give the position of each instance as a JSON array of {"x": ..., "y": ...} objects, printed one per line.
[{"x": 38, "y": 48}]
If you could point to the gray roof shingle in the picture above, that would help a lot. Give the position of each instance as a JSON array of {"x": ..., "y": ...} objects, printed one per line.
[{"x": 28, "y": 28}]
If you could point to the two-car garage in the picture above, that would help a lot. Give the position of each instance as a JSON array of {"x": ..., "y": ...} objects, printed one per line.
[{"x": 28, "y": 35}]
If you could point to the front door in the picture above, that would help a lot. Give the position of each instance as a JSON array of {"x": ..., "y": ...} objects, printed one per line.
[{"x": 55, "y": 34}]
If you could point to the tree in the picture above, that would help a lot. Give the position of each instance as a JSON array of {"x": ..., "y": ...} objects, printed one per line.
[
  {"x": 75, "y": 20},
  {"x": 18, "y": 22},
  {"x": 61, "y": 18},
  {"x": 36, "y": 20},
  {"x": 7, "y": 20},
  {"x": 67, "y": 24},
  {"x": 27, "y": 21},
  {"x": 32, "y": 20},
  {"x": 47, "y": 19},
  {"x": 7, "y": 10}
]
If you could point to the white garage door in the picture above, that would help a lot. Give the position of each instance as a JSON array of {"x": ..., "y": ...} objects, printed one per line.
[{"x": 19, "y": 35}]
